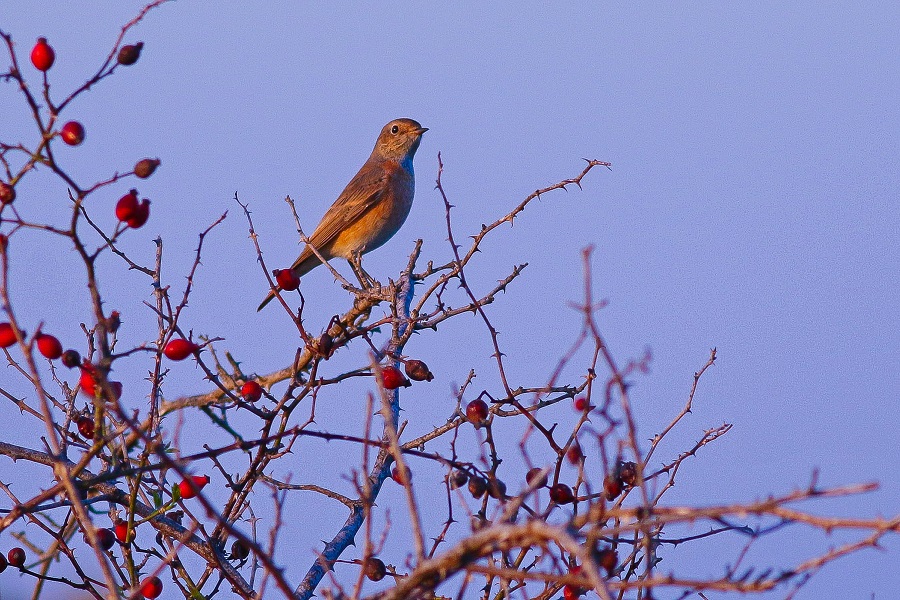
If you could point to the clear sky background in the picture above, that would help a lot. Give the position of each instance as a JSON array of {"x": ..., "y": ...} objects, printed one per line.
[{"x": 752, "y": 206}]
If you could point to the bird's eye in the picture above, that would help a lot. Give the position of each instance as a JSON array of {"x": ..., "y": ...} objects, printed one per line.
[{"x": 395, "y": 129}]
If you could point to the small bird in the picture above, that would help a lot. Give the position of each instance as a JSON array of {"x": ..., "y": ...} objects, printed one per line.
[{"x": 372, "y": 207}]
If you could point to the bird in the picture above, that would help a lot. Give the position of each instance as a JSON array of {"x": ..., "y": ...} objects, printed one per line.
[{"x": 372, "y": 207}]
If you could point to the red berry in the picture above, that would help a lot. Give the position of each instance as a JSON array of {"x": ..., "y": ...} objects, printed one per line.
[
  {"x": 145, "y": 167},
  {"x": 128, "y": 55},
  {"x": 477, "y": 412},
  {"x": 120, "y": 529},
  {"x": 612, "y": 486},
  {"x": 580, "y": 403},
  {"x": 401, "y": 477},
  {"x": 3, "y": 563},
  {"x": 88, "y": 380},
  {"x": 42, "y": 55},
  {"x": 418, "y": 371},
  {"x": 251, "y": 391},
  {"x": 7, "y": 193},
  {"x": 85, "y": 426},
  {"x": 392, "y": 378},
  {"x": 608, "y": 559},
  {"x": 89, "y": 383},
  {"x": 7, "y": 335},
  {"x": 127, "y": 206},
  {"x": 570, "y": 592},
  {"x": 180, "y": 349},
  {"x": 49, "y": 346},
  {"x": 287, "y": 280},
  {"x": 105, "y": 537},
  {"x": 141, "y": 214},
  {"x": 375, "y": 569},
  {"x": 574, "y": 453},
  {"x": 72, "y": 133},
  {"x": 151, "y": 587},
  {"x": 16, "y": 557},
  {"x": 190, "y": 487},
  {"x": 562, "y": 494}
]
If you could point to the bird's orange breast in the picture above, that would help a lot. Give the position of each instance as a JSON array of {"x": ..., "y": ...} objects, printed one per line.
[{"x": 383, "y": 219}]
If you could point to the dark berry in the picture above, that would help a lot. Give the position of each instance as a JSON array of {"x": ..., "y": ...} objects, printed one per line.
[
  {"x": 128, "y": 55},
  {"x": 375, "y": 569},
  {"x": 562, "y": 494},
  {"x": 418, "y": 371},
  {"x": 145, "y": 167}
]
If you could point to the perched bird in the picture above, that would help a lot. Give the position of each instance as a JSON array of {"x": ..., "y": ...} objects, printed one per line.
[{"x": 374, "y": 204}]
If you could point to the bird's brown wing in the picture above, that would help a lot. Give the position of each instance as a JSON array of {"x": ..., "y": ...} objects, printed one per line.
[{"x": 361, "y": 194}]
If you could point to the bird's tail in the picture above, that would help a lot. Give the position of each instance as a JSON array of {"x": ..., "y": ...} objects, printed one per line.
[{"x": 265, "y": 301}]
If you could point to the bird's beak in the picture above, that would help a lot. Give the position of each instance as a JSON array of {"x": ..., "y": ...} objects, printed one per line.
[{"x": 421, "y": 130}]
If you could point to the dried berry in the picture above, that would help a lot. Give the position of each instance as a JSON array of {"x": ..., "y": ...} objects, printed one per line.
[
  {"x": 418, "y": 371},
  {"x": 477, "y": 486},
  {"x": 536, "y": 477},
  {"x": 496, "y": 488},
  {"x": 71, "y": 359},
  {"x": 323, "y": 345},
  {"x": 7, "y": 193},
  {"x": 145, "y": 167},
  {"x": 375, "y": 569},
  {"x": 628, "y": 473},
  {"x": 239, "y": 550},
  {"x": 562, "y": 494},
  {"x": 458, "y": 479},
  {"x": 128, "y": 55}
]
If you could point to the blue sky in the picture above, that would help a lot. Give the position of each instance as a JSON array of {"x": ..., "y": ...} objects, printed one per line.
[{"x": 751, "y": 206}]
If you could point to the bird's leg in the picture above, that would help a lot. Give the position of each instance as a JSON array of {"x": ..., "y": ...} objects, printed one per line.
[{"x": 366, "y": 281}]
